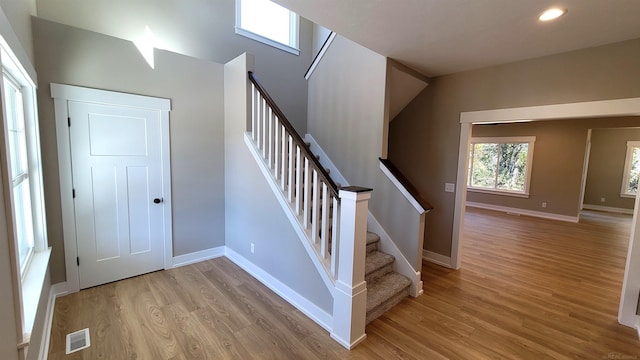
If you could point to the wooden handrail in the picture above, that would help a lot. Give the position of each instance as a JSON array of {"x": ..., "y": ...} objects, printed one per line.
[
  {"x": 407, "y": 184},
  {"x": 315, "y": 163}
]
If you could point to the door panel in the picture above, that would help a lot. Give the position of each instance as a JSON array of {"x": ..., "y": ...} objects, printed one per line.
[{"x": 117, "y": 172}]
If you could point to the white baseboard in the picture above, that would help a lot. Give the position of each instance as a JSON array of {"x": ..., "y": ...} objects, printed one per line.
[
  {"x": 538, "y": 214},
  {"x": 55, "y": 291},
  {"x": 308, "y": 308},
  {"x": 607, "y": 209},
  {"x": 194, "y": 257},
  {"x": 437, "y": 259}
]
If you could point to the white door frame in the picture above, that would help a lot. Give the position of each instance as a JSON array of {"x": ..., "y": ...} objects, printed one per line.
[
  {"x": 61, "y": 94},
  {"x": 620, "y": 107}
]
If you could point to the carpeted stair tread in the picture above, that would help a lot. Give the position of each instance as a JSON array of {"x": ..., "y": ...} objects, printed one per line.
[
  {"x": 385, "y": 288},
  {"x": 377, "y": 264},
  {"x": 372, "y": 242}
]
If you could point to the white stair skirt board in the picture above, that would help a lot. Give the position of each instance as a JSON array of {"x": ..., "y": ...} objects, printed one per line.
[
  {"x": 607, "y": 209},
  {"x": 387, "y": 245},
  {"x": 510, "y": 210},
  {"x": 320, "y": 55},
  {"x": 437, "y": 259},
  {"x": 308, "y": 308},
  {"x": 194, "y": 257}
]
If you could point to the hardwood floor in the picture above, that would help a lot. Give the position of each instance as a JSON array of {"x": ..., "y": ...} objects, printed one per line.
[{"x": 528, "y": 289}]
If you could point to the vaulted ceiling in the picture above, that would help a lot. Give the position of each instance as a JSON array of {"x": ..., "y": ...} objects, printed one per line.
[{"x": 439, "y": 37}]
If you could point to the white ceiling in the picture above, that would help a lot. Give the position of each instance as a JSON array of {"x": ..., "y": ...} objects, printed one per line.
[{"x": 439, "y": 37}]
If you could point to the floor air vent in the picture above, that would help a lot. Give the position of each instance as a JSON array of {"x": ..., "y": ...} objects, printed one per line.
[{"x": 78, "y": 340}]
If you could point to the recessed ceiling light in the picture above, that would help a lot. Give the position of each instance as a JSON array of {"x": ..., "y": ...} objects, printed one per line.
[{"x": 552, "y": 14}]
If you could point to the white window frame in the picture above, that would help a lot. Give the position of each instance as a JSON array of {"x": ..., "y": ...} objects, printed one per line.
[
  {"x": 30, "y": 280},
  {"x": 530, "y": 140},
  {"x": 294, "y": 32},
  {"x": 627, "y": 169}
]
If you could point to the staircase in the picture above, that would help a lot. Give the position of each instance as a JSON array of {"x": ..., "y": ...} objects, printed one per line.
[
  {"x": 385, "y": 288},
  {"x": 330, "y": 221}
]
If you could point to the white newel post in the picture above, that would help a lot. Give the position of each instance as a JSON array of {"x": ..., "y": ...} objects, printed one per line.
[{"x": 350, "y": 296}]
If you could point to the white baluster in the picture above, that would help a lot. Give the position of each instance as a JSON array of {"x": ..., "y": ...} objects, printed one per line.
[
  {"x": 324, "y": 239},
  {"x": 335, "y": 235},
  {"x": 254, "y": 112},
  {"x": 315, "y": 203},
  {"x": 298, "y": 197},
  {"x": 307, "y": 193},
  {"x": 291, "y": 156},
  {"x": 277, "y": 145},
  {"x": 265, "y": 128}
]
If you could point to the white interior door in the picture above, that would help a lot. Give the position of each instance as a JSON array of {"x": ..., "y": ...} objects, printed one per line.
[{"x": 116, "y": 159}]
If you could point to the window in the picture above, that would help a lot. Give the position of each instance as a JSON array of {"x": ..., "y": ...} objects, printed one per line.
[
  {"x": 631, "y": 170},
  {"x": 501, "y": 165},
  {"x": 19, "y": 169},
  {"x": 268, "y": 22},
  {"x": 21, "y": 181}
]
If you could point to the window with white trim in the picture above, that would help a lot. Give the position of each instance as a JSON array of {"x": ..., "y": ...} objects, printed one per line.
[
  {"x": 501, "y": 165},
  {"x": 269, "y": 23},
  {"x": 631, "y": 170},
  {"x": 19, "y": 169},
  {"x": 22, "y": 183}
]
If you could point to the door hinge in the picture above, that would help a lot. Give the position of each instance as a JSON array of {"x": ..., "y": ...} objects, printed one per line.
[
  {"x": 73, "y": 193},
  {"x": 69, "y": 121},
  {"x": 78, "y": 260}
]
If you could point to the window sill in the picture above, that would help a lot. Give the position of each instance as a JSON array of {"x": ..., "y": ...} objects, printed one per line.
[
  {"x": 32, "y": 285},
  {"x": 499, "y": 192},
  {"x": 630, "y": 196},
  {"x": 267, "y": 41}
]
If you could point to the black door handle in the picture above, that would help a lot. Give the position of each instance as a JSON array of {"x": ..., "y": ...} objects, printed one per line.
[{"x": 157, "y": 200}]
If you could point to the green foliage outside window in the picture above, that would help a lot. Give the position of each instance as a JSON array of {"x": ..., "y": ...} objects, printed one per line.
[
  {"x": 498, "y": 166},
  {"x": 634, "y": 172}
]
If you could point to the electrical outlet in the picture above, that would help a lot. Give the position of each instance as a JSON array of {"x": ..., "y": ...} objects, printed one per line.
[
  {"x": 544, "y": 205},
  {"x": 449, "y": 187},
  {"x": 253, "y": 248},
  {"x": 603, "y": 199}
]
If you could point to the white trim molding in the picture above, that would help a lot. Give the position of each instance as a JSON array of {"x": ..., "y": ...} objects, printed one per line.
[
  {"x": 55, "y": 291},
  {"x": 402, "y": 189},
  {"x": 320, "y": 55},
  {"x": 607, "y": 209},
  {"x": 516, "y": 211},
  {"x": 437, "y": 259},
  {"x": 198, "y": 256}
]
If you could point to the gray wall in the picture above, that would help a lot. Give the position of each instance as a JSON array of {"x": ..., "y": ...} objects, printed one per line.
[
  {"x": 424, "y": 138},
  {"x": 253, "y": 214},
  {"x": 74, "y": 56},
  {"x": 558, "y": 162},
  {"x": 199, "y": 28},
  {"x": 347, "y": 117},
  {"x": 19, "y": 13},
  {"x": 606, "y": 167}
]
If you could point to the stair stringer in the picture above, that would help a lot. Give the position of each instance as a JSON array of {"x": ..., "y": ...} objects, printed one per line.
[
  {"x": 387, "y": 245},
  {"x": 296, "y": 221}
]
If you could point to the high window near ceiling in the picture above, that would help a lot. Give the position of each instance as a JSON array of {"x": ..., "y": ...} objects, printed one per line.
[
  {"x": 501, "y": 165},
  {"x": 269, "y": 23},
  {"x": 631, "y": 173}
]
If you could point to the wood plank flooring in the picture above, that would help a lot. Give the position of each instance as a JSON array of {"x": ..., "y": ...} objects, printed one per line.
[{"x": 528, "y": 289}]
